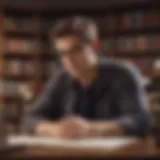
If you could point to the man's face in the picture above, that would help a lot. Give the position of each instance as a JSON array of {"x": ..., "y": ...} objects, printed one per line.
[{"x": 74, "y": 54}]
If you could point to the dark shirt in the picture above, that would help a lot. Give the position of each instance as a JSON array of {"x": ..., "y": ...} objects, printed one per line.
[{"x": 117, "y": 94}]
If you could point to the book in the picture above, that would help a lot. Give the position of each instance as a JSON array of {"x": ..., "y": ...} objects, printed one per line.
[
  {"x": 151, "y": 18},
  {"x": 125, "y": 21},
  {"x": 13, "y": 67},
  {"x": 11, "y": 88},
  {"x": 24, "y": 24},
  {"x": 152, "y": 42},
  {"x": 111, "y": 22},
  {"x": 120, "y": 43},
  {"x": 21, "y": 45},
  {"x": 129, "y": 44},
  {"x": 102, "y": 23},
  {"x": 107, "y": 45},
  {"x": 49, "y": 22},
  {"x": 137, "y": 19},
  {"x": 141, "y": 42},
  {"x": 29, "y": 67}
]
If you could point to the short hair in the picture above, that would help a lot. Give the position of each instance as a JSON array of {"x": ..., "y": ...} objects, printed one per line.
[{"x": 82, "y": 27}]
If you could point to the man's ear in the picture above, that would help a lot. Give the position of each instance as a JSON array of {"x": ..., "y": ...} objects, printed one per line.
[{"x": 96, "y": 45}]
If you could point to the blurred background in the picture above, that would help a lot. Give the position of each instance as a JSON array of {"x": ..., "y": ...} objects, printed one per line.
[{"x": 129, "y": 30}]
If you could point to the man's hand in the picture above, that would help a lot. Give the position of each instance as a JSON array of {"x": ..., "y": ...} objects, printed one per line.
[
  {"x": 77, "y": 127},
  {"x": 74, "y": 127},
  {"x": 47, "y": 128},
  {"x": 71, "y": 127}
]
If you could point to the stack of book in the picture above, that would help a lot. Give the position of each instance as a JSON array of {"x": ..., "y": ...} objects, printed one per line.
[
  {"x": 13, "y": 67},
  {"x": 26, "y": 24},
  {"x": 151, "y": 18},
  {"x": 49, "y": 23},
  {"x": 9, "y": 88},
  {"x": 125, "y": 21},
  {"x": 139, "y": 19},
  {"x": 20, "y": 45},
  {"x": 17, "y": 67},
  {"x": 138, "y": 43},
  {"x": 29, "y": 67}
]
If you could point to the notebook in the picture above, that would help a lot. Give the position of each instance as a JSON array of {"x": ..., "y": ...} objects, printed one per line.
[{"x": 87, "y": 143}]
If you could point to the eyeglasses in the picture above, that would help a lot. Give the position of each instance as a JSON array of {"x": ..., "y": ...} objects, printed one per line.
[{"x": 74, "y": 51}]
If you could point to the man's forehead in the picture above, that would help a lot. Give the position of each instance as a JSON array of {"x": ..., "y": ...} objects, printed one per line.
[{"x": 66, "y": 43}]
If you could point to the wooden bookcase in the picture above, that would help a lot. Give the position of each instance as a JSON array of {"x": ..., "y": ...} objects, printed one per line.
[{"x": 27, "y": 60}]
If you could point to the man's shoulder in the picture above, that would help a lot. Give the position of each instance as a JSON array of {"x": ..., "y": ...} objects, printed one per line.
[
  {"x": 60, "y": 75},
  {"x": 118, "y": 67},
  {"x": 59, "y": 78}
]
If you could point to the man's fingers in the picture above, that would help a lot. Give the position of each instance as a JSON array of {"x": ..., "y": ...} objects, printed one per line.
[
  {"x": 74, "y": 127},
  {"x": 69, "y": 131}
]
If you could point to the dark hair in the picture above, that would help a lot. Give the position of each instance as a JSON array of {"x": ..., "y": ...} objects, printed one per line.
[{"x": 82, "y": 27}]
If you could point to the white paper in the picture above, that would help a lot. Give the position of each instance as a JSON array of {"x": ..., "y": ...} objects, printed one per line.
[{"x": 88, "y": 143}]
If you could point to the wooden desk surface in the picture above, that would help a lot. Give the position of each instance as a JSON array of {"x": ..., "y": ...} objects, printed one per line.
[{"x": 143, "y": 147}]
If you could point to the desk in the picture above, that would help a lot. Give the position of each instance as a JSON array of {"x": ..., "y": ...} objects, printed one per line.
[{"x": 143, "y": 147}]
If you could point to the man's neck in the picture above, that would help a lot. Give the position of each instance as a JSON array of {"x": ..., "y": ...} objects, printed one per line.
[{"x": 89, "y": 77}]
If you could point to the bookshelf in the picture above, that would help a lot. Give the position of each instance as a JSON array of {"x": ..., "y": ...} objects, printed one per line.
[
  {"x": 135, "y": 35},
  {"x": 27, "y": 59}
]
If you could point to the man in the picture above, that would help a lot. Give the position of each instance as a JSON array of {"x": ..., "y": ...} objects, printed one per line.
[{"x": 92, "y": 97}]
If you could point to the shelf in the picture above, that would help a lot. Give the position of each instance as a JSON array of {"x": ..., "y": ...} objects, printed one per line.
[
  {"x": 17, "y": 77},
  {"x": 47, "y": 53},
  {"x": 131, "y": 31},
  {"x": 47, "y": 50},
  {"x": 29, "y": 55},
  {"x": 48, "y": 57},
  {"x": 21, "y": 33},
  {"x": 11, "y": 97},
  {"x": 137, "y": 53}
]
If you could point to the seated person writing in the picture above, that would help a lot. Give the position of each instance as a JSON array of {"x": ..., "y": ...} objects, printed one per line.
[{"x": 92, "y": 96}]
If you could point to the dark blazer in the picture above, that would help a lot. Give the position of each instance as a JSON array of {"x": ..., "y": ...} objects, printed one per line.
[{"x": 118, "y": 95}]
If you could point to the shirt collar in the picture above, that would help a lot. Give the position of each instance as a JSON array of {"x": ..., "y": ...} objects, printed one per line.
[{"x": 97, "y": 85}]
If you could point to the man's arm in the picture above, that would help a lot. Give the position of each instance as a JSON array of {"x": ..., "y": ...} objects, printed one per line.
[
  {"x": 130, "y": 99},
  {"x": 38, "y": 119}
]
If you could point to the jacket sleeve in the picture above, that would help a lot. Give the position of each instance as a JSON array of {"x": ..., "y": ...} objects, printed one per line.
[
  {"x": 130, "y": 98},
  {"x": 46, "y": 107}
]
